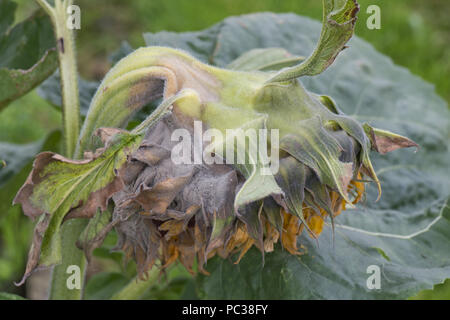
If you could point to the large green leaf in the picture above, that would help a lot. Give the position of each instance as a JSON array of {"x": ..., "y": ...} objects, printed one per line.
[
  {"x": 409, "y": 261},
  {"x": 407, "y": 232},
  {"x": 27, "y": 53}
]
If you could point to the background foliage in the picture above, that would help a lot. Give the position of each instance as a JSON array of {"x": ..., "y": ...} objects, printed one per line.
[{"x": 414, "y": 33}]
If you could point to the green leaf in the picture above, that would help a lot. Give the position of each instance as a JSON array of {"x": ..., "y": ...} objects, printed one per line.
[
  {"x": 15, "y": 231},
  {"x": 80, "y": 187},
  {"x": 324, "y": 272},
  {"x": 200, "y": 44},
  {"x": 15, "y": 228},
  {"x": 410, "y": 223},
  {"x": 27, "y": 53}
]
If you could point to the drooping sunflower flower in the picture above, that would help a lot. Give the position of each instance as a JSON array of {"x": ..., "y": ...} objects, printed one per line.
[{"x": 168, "y": 211}]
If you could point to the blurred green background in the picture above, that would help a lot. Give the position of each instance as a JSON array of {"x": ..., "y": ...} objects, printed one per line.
[{"x": 414, "y": 33}]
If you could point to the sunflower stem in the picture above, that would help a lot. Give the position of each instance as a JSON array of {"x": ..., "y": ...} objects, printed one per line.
[
  {"x": 69, "y": 76},
  {"x": 71, "y": 255},
  {"x": 71, "y": 126}
]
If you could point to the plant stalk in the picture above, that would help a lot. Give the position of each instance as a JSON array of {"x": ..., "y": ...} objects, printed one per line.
[
  {"x": 71, "y": 127},
  {"x": 69, "y": 77}
]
